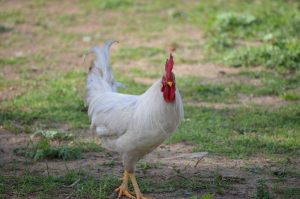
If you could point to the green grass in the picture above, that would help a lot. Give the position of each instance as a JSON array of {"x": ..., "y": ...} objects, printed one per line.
[
  {"x": 288, "y": 192},
  {"x": 236, "y": 33},
  {"x": 58, "y": 100},
  {"x": 70, "y": 19},
  {"x": 285, "y": 55},
  {"x": 109, "y": 5},
  {"x": 43, "y": 149},
  {"x": 242, "y": 132},
  {"x": 262, "y": 191},
  {"x": 265, "y": 24},
  {"x": 89, "y": 186},
  {"x": 55, "y": 145},
  {"x": 12, "y": 61},
  {"x": 271, "y": 84},
  {"x": 48, "y": 186},
  {"x": 12, "y": 17}
]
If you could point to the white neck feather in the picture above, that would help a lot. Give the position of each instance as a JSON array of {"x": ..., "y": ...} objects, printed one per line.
[{"x": 154, "y": 112}]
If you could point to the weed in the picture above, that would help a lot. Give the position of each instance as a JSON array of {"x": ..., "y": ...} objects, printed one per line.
[
  {"x": 110, "y": 4},
  {"x": 218, "y": 183},
  {"x": 262, "y": 191},
  {"x": 100, "y": 188},
  {"x": 225, "y": 21},
  {"x": 285, "y": 55},
  {"x": 291, "y": 96},
  {"x": 12, "y": 17},
  {"x": 287, "y": 192},
  {"x": 207, "y": 196},
  {"x": 52, "y": 135},
  {"x": 4, "y": 29},
  {"x": 43, "y": 149},
  {"x": 12, "y": 61},
  {"x": 111, "y": 163}
]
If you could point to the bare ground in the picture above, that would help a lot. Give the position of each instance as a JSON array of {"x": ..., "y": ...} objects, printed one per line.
[
  {"x": 171, "y": 158},
  {"x": 174, "y": 161}
]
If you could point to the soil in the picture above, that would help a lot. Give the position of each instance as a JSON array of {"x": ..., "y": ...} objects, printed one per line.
[
  {"x": 176, "y": 160},
  {"x": 171, "y": 158}
]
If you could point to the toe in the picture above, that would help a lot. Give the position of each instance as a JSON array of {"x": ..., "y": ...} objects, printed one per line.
[
  {"x": 142, "y": 197},
  {"x": 124, "y": 192},
  {"x": 128, "y": 195}
]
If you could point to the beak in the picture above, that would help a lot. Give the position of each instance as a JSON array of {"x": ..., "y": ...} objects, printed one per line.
[{"x": 170, "y": 83}]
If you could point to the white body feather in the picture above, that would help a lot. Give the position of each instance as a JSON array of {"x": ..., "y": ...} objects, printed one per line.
[{"x": 128, "y": 124}]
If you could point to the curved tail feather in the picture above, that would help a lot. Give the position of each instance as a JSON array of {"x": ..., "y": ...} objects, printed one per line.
[{"x": 101, "y": 77}]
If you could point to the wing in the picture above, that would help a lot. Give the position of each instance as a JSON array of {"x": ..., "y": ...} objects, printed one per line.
[{"x": 111, "y": 113}]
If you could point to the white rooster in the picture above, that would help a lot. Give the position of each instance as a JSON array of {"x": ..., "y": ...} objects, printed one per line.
[{"x": 132, "y": 125}]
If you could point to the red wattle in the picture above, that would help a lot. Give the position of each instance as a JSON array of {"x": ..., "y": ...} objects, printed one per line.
[{"x": 169, "y": 93}]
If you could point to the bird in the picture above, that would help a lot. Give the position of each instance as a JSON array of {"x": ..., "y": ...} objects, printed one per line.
[{"x": 131, "y": 125}]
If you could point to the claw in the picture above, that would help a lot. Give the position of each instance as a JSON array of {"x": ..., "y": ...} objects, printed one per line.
[
  {"x": 141, "y": 197},
  {"x": 124, "y": 192}
]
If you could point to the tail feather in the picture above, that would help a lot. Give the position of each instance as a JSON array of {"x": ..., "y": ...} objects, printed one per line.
[
  {"x": 101, "y": 78},
  {"x": 102, "y": 61}
]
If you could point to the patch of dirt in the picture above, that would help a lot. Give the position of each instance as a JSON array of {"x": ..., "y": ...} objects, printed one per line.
[
  {"x": 11, "y": 5},
  {"x": 145, "y": 80},
  {"x": 216, "y": 105},
  {"x": 223, "y": 79},
  {"x": 204, "y": 70},
  {"x": 65, "y": 7},
  {"x": 263, "y": 100},
  {"x": 10, "y": 93},
  {"x": 86, "y": 28},
  {"x": 8, "y": 142},
  {"x": 244, "y": 101},
  {"x": 172, "y": 161}
]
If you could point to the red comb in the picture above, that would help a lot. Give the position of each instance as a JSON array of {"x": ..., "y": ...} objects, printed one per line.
[{"x": 169, "y": 65}]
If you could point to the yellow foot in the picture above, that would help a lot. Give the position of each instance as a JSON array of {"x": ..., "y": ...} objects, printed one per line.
[
  {"x": 142, "y": 197},
  {"x": 124, "y": 192}
]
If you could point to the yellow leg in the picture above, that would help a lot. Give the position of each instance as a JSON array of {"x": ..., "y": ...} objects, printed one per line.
[
  {"x": 123, "y": 189},
  {"x": 137, "y": 191}
]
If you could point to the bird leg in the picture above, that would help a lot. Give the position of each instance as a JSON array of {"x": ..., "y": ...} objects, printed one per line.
[
  {"x": 137, "y": 191},
  {"x": 123, "y": 189}
]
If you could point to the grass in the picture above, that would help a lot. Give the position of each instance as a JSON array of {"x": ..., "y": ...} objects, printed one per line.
[
  {"x": 242, "y": 132},
  {"x": 91, "y": 186},
  {"x": 53, "y": 145},
  {"x": 272, "y": 32},
  {"x": 270, "y": 83},
  {"x": 137, "y": 53},
  {"x": 262, "y": 191},
  {"x": 12, "y": 61},
  {"x": 48, "y": 186},
  {"x": 12, "y": 17},
  {"x": 45, "y": 104},
  {"x": 49, "y": 80},
  {"x": 109, "y": 5},
  {"x": 42, "y": 150},
  {"x": 289, "y": 192}
]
